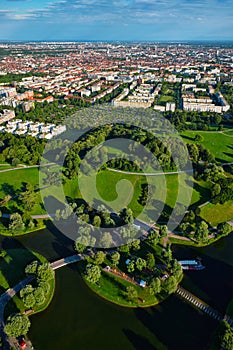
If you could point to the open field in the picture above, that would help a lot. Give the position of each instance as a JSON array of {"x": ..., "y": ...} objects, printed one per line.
[
  {"x": 122, "y": 189},
  {"x": 11, "y": 184},
  {"x": 216, "y": 213},
  {"x": 218, "y": 143}
]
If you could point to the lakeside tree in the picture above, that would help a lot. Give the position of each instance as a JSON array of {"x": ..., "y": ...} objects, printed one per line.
[
  {"x": 45, "y": 286},
  {"x": 131, "y": 293},
  {"x": 155, "y": 286},
  {"x": 45, "y": 272},
  {"x": 227, "y": 338},
  {"x": 39, "y": 295},
  {"x": 31, "y": 269},
  {"x": 17, "y": 325},
  {"x": 79, "y": 247},
  {"x": 170, "y": 284},
  {"x": 224, "y": 228},
  {"x": 202, "y": 232},
  {"x": 16, "y": 223},
  {"x": 176, "y": 269},
  {"x": 93, "y": 273},
  {"x": 29, "y": 300}
]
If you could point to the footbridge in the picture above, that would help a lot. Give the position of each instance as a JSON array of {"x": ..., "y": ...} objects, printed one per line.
[{"x": 201, "y": 305}]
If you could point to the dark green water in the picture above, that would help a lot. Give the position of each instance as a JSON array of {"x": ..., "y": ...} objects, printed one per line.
[{"x": 78, "y": 319}]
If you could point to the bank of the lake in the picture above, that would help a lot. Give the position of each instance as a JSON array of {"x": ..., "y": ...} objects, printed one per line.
[
  {"x": 12, "y": 271},
  {"x": 78, "y": 318}
]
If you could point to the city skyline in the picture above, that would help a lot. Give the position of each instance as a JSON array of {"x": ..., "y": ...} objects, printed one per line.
[{"x": 132, "y": 20}]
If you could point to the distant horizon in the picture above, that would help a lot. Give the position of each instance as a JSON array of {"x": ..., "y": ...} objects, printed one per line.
[{"x": 178, "y": 41}]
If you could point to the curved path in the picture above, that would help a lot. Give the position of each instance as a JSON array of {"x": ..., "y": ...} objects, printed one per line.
[{"x": 26, "y": 167}]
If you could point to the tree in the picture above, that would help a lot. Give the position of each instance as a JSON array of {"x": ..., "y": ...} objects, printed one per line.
[
  {"x": 199, "y": 138},
  {"x": 45, "y": 286},
  {"x": 131, "y": 293},
  {"x": 39, "y": 295},
  {"x": 193, "y": 152},
  {"x": 176, "y": 269},
  {"x": 26, "y": 290},
  {"x": 99, "y": 257},
  {"x": 124, "y": 248},
  {"x": 153, "y": 237},
  {"x": 163, "y": 231},
  {"x": 97, "y": 221},
  {"x": 45, "y": 272},
  {"x": 93, "y": 273},
  {"x": 184, "y": 227},
  {"x": 31, "y": 269},
  {"x": 79, "y": 247},
  {"x": 31, "y": 225},
  {"x": 115, "y": 257},
  {"x": 150, "y": 260},
  {"x": 168, "y": 253},
  {"x": 17, "y": 325},
  {"x": 106, "y": 240},
  {"x": 28, "y": 198},
  {"x": 16, "y": 223},
  {"x": 131, "y": 266},
  {"x": 155, "y": 286},
  {"x": 170, "y": 284},
  {"x": 136, "y": 244},
  {"x": 140, "y": 264},
  {"x": 29, "y": 300},
  {"x": 227, "y": 339},
  {"x": 224, "y": 228},
  {"x": 127, "y": 215},
  {"x": 215, "y": 190},
  {"x": 202, "y": 232}
]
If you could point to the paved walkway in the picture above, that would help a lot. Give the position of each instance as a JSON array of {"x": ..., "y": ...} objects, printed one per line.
[{"x": 26, "y": 167}]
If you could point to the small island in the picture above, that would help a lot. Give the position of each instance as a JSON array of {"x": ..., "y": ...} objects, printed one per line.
[{"x": 34, "y": 285}]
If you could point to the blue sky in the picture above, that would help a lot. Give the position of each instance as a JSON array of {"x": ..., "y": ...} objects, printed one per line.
[{"x": 116, "y": 20}]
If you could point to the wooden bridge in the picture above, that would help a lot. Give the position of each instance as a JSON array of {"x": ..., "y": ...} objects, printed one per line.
[{"x": 201, "y": 305}]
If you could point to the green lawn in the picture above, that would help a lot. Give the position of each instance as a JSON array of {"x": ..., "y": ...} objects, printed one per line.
[
  {"x": 13, "y": 264},
  {"x": 217, "y": 213},
  {"x": 113, "y": 289},
  {"x": 166, "y": 98},
  {"x": 219, "y": 144},
  {"x": 119, "y": 190}
]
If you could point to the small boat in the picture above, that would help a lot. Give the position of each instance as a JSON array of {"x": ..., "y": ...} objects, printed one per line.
[{"x": 191, "y": 264}]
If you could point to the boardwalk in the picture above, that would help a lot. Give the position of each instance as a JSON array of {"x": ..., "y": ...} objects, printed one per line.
[{"x": 201, "y": 305}]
